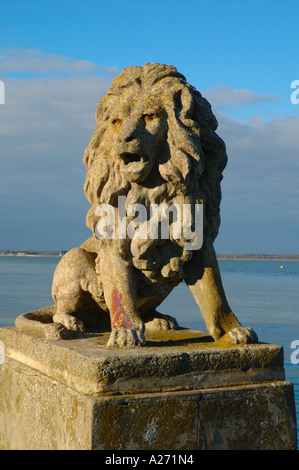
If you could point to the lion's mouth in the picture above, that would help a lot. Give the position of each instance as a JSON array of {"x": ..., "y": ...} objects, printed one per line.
[
  {"x": 128, "y": 158},
  {"x": 136, "y": 166}
]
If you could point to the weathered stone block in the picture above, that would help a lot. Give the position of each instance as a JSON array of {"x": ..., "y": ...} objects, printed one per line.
[
  {"x": 181, "y": 392},
  {"x": 38, "y": 413},
  {"x": 237, "y": 418}
]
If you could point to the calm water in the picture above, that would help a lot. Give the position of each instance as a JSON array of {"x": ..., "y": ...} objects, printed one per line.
[{"x": 261, "y": 293}]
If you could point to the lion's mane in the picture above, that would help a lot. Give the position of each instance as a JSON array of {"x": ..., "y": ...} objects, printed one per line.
[{"x": 197, "y": 154}]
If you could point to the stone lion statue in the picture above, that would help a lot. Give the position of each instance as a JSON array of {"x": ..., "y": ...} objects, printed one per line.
[{"x": 154, "y": 143}]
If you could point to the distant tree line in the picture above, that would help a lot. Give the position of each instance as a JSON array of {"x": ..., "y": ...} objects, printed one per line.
[
  {"x": 259, "y": 256},
  {"x": 219, "y": 256},
  {"x": 32, "y": 252}
]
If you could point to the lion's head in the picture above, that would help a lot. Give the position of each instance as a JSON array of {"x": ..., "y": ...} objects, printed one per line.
[{"x": 157, "y": 133}]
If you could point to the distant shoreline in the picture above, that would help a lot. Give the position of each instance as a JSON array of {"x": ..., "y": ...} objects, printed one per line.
[
  {"x": 244, "y": 257},
  {"x": 259, "y": 257},
  {"x": 48, "y": 254}
]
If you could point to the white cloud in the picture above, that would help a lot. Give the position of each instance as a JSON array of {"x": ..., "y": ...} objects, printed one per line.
[
  {"x": 225, "y": 96},
  {"x": 45, "y": 126},
  {"x": 36, "y": 61},
  {"x": 260, "y": 211},
  {"x": 261, "y": 152},
  {"x": 46, "y": 123}
]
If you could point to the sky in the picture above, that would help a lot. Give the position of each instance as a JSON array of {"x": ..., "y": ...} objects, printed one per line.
[{"x": 57, "y": 60}]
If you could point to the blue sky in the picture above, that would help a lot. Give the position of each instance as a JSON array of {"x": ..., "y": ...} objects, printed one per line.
[{"x": 57, "y": 59}]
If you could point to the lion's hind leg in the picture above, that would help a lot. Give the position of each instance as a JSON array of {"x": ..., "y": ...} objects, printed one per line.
[{"x": 73, "y": 272}]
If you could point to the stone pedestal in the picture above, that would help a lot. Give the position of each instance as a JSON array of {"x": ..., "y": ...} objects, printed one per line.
[{"x": 180, "y": 392}]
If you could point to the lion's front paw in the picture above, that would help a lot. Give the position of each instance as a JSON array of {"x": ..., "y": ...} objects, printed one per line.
[
  {"x": 126, "y": 338},
  {"x": 70, "y": 322},
  {"x": 240, "y": 335}
]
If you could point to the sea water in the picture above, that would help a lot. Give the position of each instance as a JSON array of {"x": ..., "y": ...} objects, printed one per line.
[{"x": 263, "y": 294}]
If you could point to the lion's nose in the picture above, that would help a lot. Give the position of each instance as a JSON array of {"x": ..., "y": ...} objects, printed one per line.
[
  {"x": 131, "y": 136},
  {"x": 130, "y": 131},
  {"x": 129, "y": 139},
  {"x": 130, "y": 147}
]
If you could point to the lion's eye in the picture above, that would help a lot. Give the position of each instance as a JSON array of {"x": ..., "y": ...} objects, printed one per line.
[
  {"x": 150, "y": 117},
  {"x": 116, "y": 122}
]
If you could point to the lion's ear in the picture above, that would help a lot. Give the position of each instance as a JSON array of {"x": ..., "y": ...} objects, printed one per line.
[
  {"x": 103, "y": 109},
  {"x": 187, "y": 104},
  {"x": 100, "y": 111},
  {"x": 203, "y": 112},
  {"x": 184, "y": 107}
]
